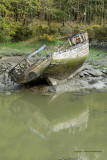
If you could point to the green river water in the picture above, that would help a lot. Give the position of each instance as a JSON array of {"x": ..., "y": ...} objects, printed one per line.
[{"x": 70, "y": 126}]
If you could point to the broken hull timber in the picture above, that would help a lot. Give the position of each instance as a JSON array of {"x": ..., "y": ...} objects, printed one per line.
[
  {"x": 61, "y": 65},
  {"x": 64, "y": 64},
  {"x": 27, "y": 71},
  {"x": 31, "y": 74},
  {"x": 35, "y": 71}
]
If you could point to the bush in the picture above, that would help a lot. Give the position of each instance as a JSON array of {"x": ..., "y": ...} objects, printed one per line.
[
  {"x": 44, "y": 32},
  {"x": 91, "y": 33},
  {"x": 95, "y": 32},
  {"x": 100, "y": 32},
  {"x": 4, "y": 36},
  {"x": 7, "y": 28},
  {"x": 47, "y": 37},
  {"x": 65, "y": 31},
  {"x": 22, "y": 33},
  {"x": 75, "y": 30},
  {"x": 53, "y": 30}
]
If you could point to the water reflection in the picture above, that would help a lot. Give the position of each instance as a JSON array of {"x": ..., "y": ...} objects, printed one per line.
[
  {"x": 42, "y": 127},
  {"x": 80, "y": 121},
  {"x": 50, "y": 116}
]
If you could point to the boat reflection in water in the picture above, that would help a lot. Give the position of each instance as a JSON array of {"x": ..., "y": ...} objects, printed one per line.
[
  {"x": 48, "y": 128},
  {"x": 51, "y": 116}
]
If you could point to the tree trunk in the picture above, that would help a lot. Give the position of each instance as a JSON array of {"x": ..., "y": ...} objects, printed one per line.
[
  {"x": 49, "y": 19},
  {"x": 63, "y": 23},
  {"x": 78, "y": 12},
  {"x": 41, "y": 15}
]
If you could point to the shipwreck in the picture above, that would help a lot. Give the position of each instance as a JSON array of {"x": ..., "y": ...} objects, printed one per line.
[{"x": 56, "y": 67}]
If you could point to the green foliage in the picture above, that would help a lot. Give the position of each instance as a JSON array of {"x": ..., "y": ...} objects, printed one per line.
[
  {"x": 100, "y": 32},
  {"x": 65, "y": 31},
  {"x": 8, "y": 28},
  {"x": 19, "y": 18},
  {"x": 15, "y": 15},
  {"x": 44, "y": 32},
  {"x": 95, "y": 32},
  {"x": 60, "y": 15},
  {"x": 22, "y": 33}
]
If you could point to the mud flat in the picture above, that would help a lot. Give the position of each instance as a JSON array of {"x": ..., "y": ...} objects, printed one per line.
[{"x": 92, "y": 76}]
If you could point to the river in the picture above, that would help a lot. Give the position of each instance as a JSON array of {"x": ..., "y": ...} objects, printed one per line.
[{"x": 69, "y": 126}]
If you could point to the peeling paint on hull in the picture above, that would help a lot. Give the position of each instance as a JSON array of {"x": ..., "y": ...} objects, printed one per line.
[
  {"x": 65, "y": 63},
  {"x": 60, "y": 65}
]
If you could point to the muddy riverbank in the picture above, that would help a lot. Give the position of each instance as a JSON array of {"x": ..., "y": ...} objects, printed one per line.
[{"x": 92, "y": 76}]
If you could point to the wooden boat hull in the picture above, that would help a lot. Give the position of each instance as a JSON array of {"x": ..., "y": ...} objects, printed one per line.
[
  {"x": 60, "y": 65},
  {"x": 66, "y": 63},
  {"x": 30, "y": 74}
]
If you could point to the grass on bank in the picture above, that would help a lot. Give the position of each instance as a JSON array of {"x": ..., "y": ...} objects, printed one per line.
[
  {"x": 97, "y": 58},
  {"x": 26, "y": 47},
  {"x": 97, "y": 54}
]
